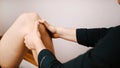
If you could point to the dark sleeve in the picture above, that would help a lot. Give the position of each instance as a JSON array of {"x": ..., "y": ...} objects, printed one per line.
[
  {"x": 89, "y": 37},
  {"x": 47, "y": 60}
]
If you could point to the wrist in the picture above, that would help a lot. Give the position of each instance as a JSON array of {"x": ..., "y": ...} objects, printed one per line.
[
  {"x": 39, "y": 47},
  {"x": 59, "y": 32},
  {"x": 38, "y": 50}
]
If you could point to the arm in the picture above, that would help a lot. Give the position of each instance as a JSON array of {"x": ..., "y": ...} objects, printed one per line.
[
  {"x": 67, "y": 34},
  {"x": 104, "y": 55},
  {"x": 59, "y": 32},
  {"x": 90, "y": 59},
  {"x": 47, "y": 60},
  {"x": 89, "y": 37}
]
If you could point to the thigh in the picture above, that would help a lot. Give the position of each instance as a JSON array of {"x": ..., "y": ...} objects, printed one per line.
[{"x": 12, "y": 43}]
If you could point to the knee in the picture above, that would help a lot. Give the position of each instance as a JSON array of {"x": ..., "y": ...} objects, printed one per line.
[
  {"x": 26, "y": 22},
  {"x": 32, "y": 14},
  {"x": 29, "y": 14},
  {"x": 27, "y": 18}
]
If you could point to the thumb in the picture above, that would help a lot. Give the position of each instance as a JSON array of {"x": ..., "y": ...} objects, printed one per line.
[
  {"x": 48, "y": 26},
  {"x": 36, "y": 26},
  {"x": 45, "y": 23}
]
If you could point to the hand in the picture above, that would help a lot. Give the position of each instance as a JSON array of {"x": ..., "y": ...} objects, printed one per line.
[
  {"x": 33, "y": 40},
  {"x": 51, "y": 28},
  {"x": 60, "y": 32}
]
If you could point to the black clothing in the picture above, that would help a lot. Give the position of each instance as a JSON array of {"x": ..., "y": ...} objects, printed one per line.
[{"x": 104, "y": 54}]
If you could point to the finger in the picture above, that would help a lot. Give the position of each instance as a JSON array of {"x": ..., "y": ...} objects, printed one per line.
[
  {"x": 36, "y": 25},
  {"x": 28, "y": 44},
  {"x": 41, "y": 21},
  {"x": 27, "y": 40},
  {"x": 45, "y": 23}
]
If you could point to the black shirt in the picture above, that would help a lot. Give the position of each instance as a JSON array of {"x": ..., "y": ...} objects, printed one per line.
[{"x": 104, "y": 54}]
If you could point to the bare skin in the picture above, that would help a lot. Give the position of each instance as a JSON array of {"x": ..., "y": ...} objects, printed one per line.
[
  {"x": 119, "y": 1},
  {"x": 12, "y": 43},
  {"x": 60, "y": 32}
]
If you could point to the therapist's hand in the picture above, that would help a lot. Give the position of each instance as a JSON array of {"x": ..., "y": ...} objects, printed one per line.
[
  {"x": 60, "y": 32},
  {"x": 33, "y": 39},
  {"x": 51, "y": 28}
]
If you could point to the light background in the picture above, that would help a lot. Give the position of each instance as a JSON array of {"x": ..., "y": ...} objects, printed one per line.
[{"x": 63, "y": 13}]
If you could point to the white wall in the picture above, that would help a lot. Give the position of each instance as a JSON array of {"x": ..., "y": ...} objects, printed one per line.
[{"x": 65, "y": 13}]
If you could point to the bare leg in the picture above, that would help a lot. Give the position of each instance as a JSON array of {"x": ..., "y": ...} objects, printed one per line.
[{"x": 12, "y": 47}]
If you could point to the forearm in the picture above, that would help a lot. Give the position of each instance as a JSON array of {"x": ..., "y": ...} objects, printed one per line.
[
  {"x": 46, "y": 59},
  {"x": 34, "y": 52},
  {"x": 39, "y": 47},
  {"x": 89, "y": 37},
  {"x": 67, "y": 34}
]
